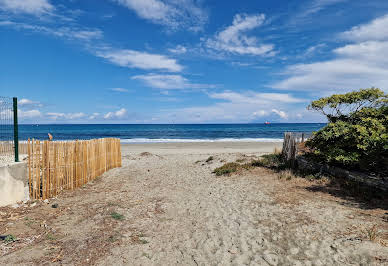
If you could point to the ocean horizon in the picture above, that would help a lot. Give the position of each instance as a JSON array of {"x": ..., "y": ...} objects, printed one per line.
[{"x": 159, "y": 133}]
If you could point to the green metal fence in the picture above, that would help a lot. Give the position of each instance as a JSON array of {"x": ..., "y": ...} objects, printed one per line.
[{"x": 9, "y": 142}]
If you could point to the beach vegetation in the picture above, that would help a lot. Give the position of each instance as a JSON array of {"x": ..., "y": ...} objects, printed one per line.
[
  {"x": 226, "y": 169},
  {"x": 50, "y": 236},
  {"x": 114, "y": 238},
  {"x": 372, "y": 233},
  {"x": 117, "y": 216},
  {"x": 273, "y": 161},
  {"x": 211, "y": 158},
  {"x": 286, "y": 174},
  {"x": 143, "y": 241},
  {"x": 356, "y": 135},
  {"x": 148, "y": 256},
  {"x": 9, "y": 239}
]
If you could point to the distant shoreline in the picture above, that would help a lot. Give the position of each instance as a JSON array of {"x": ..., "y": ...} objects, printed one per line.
[
  {"x": 167, "y": 124},
  {"x": 151, "y": 133}
]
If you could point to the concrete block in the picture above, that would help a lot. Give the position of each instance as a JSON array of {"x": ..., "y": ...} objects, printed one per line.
[{"x": 13, "y": 183}]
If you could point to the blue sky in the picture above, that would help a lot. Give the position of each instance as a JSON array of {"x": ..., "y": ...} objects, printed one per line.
[{"x": 187, "y": 61}]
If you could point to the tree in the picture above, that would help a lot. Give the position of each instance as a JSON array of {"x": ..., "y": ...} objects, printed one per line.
[{"x": 356, "y": 135}]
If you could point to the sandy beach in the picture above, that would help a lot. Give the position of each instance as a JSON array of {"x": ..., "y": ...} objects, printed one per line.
[
  {"x": 176, "y": 212},
  {"x": 257, "y": 148}
]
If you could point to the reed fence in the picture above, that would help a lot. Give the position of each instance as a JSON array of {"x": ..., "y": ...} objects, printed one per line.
[
  {"x": 54, "y": 166},
  {"x": 23, "y": 147}
]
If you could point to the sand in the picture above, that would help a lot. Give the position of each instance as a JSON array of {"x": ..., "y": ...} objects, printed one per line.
[
  {"x": 204, "y": 148},
  {"x": 176, "y": 212}
]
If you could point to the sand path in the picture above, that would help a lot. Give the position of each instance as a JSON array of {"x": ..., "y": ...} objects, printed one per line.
[{"x": 178, "y": 213}]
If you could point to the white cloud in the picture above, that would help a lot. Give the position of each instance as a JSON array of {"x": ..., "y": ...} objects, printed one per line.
[
  {"x": 34, "y": 7},
  {"x": 75, "y": 115},
  {"x": 260, "y": 113},
  {"x": 94, "y": 116},
  {"x": 282, "y": 114},
  {"x": 81, "y": 34},
  {"x": 65, "y": 116},
  {"x": 256, "y": 98},
  {"x": 179, "y": 49},
  {"x": 142, "y": 60},
  {"x": 170, "y": 13},
  {"x": 161, "y": 81},
  {"x": 72, "y": 117},
  {"x": 119, "y": 114},
  {"x": 238, "y": 107},
  {"x": 375, "y": 30},
  {"x": 310, "y": 9},
  {"x": 29, "y": 114},
  {"x": 233, "y": 39},
  {"x": 29, "y": 103},
  {"x": 69, "y": 33},
  {"x": 318, "y": 5},
  {"x": 357, "y": 65},
  {"x": 314, "y": 49},
  {"x": 119, "y": 90},
  {"x": 369, "y": 51}
]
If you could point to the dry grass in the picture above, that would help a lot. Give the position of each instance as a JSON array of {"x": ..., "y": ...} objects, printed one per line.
[
  {"x": 372, "y": 233},
  {"x": 272, "y": 161},
  {"x": 277, "y": 150},
  {"x": 286, "y": 174},
  {"x": 146, "y": 153}
]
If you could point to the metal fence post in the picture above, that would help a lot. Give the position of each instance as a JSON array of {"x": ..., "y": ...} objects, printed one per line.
[{"x": 15, "y": 128}]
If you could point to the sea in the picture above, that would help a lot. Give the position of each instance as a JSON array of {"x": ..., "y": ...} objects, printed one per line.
[{"x": 157, "y": 133}]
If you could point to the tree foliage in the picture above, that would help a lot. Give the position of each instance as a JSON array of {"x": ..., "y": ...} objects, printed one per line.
[{"x": 356, "y": 135}]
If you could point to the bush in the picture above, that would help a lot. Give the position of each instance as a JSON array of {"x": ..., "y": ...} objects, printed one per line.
[
  {"x": 274, "y": 161},
  {"x": 226, "y": 169},
  {"x": 117, "y": 216},
  {"x": 356, "y": 135}
]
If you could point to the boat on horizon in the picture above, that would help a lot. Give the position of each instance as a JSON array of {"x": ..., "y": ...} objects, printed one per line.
[{"x": 267, "y": 123}]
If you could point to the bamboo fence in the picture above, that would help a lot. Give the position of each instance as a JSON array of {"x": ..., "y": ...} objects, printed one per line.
[
  {"x": 23, "y": 147},
  {"x": 54, "y": 166}
]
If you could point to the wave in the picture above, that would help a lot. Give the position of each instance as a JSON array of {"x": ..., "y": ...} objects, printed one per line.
[{"x": 144, "y": 140}]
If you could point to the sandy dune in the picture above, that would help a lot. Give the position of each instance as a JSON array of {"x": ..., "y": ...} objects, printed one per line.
[{"x": 176, "y": 212}]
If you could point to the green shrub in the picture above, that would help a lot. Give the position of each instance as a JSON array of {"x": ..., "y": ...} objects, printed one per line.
[
  {"x": 117, "y": 216},
  {"x": 356, "y": 135},
  {"x": 226, "y": 169},
  {"x": 274, "y": 161},
  {"x": 9, "y": 239}
]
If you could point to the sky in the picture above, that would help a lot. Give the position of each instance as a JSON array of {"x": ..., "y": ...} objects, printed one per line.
[{"x": 187, "y": 61}]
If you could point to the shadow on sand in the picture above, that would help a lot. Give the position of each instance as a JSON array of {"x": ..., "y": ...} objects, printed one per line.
[{"x": 354, "y": 195}]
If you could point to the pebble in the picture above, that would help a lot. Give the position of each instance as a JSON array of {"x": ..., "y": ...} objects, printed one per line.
[{"x": 294, "y": 251}]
